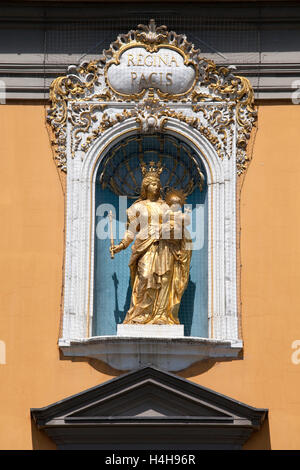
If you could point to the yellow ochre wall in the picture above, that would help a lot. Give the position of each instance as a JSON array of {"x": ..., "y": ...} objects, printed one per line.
[{"x": 31, "y": 259}]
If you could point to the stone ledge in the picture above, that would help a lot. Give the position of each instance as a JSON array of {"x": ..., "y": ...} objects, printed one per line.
[{"x": 170, "y": 354}]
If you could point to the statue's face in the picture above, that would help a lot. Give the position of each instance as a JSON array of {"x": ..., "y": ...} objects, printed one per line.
[
  {"x": 153, "y": 189},
  {"x": 175, "y": 202}
]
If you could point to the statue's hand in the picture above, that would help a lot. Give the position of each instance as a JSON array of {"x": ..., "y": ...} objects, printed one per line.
[{"x": 116, "y": 248}]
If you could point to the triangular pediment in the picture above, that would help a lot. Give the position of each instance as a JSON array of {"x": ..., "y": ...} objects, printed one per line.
[
  {"x": 145, "y": 394},
  {"x": 149, "y": 409},
  {"x": 149, "y": 399}
]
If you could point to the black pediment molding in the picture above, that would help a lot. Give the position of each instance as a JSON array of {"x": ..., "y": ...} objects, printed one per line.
[{"x": 145, "y": 409}]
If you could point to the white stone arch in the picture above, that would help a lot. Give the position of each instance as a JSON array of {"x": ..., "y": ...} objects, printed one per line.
[
  {"x": 215, "y": 117},
  {"x": 78, "y": 306}
]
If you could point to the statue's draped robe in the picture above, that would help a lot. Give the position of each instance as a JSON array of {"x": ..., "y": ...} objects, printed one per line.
[{"x": 159, "y": 267}]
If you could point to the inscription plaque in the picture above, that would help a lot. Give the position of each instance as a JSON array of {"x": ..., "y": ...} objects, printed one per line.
[{"x": 138, "y": 69}]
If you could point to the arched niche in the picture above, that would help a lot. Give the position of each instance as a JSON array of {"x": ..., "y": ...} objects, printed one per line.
[
  {"x": 119, "y": 174},
  {"x": 222, "y": 339}
]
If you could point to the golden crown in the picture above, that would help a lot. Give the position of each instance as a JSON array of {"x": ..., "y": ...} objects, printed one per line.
[{"x": 154, "y": 169}]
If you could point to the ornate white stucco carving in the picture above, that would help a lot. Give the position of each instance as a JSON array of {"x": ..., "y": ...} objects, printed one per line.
[{"x": 88, "y": 116}]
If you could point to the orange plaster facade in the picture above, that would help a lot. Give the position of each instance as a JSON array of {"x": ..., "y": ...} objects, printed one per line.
[{"x": 32, "y": 248}]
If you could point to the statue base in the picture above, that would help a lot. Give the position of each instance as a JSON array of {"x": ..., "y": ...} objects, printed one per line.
[{"x": 148, "y": 331}]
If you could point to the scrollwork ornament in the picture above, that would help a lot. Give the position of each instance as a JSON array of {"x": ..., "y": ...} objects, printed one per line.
[
  {"x": 151, "y": 34},
  {"x": 220, "y": 104}
]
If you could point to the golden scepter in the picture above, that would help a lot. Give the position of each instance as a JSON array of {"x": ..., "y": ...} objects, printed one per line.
[{"x": 112, "y": 244}]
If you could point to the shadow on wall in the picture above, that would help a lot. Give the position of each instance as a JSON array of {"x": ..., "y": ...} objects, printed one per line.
[
  {"x": 40, "y": 440},
  {"x": 260, "y": 440},
  {"x": 121, "y": 314},
  {"x": 200, "y": 367},
  {"x": 97, "y": 364},
  {"x": 186, "y": 311}
]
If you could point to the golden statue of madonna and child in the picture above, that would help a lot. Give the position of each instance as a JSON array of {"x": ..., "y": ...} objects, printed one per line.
[{"x": 161, "y": 253}]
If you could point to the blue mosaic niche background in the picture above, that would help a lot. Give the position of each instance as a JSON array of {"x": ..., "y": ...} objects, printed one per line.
[{"x": 112, "y": 290}]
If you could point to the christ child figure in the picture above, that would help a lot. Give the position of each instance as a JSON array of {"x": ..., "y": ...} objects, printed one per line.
[{"x": 175, "y": 221}]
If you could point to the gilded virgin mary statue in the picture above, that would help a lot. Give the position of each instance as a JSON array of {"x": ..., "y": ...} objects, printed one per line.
[{"x": 161, "y": 252}]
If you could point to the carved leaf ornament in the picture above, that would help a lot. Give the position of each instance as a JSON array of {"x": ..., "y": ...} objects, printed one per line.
[{"x": 153, "y": 75}]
